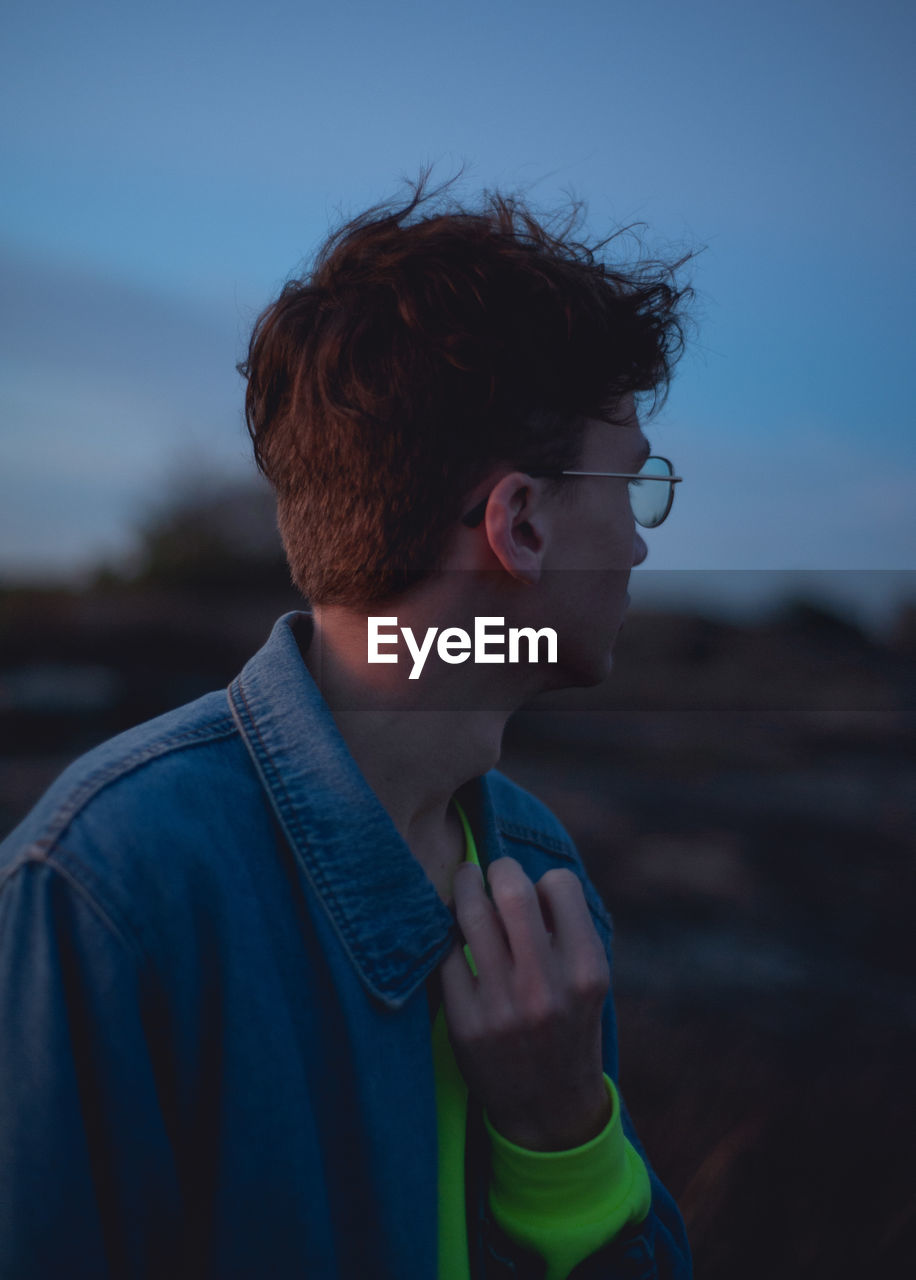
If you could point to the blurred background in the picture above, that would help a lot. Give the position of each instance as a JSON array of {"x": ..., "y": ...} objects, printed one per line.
[{"x": 743, "y": 786}]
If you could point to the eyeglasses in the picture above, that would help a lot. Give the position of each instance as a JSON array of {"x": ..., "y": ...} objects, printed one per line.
[{"x": 649, "y": 502}]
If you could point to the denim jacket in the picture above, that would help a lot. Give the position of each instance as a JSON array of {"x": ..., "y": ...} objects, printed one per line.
[{"x": 215, "y": 1055}]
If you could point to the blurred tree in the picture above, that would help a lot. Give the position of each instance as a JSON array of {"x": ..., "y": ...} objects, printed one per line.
[
  {"x": 819, "y": 621},
  {"x": 210, "y": 533}
]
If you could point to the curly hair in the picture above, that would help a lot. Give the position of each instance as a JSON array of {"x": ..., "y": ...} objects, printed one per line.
[{"x": 428, "y": 342}]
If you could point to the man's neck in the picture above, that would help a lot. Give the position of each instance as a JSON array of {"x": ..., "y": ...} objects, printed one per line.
[{"x": 416, "y": 742}]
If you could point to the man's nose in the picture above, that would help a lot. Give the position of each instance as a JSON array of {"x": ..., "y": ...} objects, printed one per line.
[{"x": 640, "y": 549}]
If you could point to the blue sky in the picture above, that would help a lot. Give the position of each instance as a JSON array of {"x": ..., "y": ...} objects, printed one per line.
[{"x": 166, "y": 167}]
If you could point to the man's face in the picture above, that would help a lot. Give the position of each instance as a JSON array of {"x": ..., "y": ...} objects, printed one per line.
[{"x": 596, "y": 543}]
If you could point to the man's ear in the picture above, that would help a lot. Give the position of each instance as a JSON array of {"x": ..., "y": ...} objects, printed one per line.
[{"x": 516, "y": 525}]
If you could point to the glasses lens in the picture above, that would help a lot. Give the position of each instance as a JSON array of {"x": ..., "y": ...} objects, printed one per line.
[{"x": 651, "y": 499}]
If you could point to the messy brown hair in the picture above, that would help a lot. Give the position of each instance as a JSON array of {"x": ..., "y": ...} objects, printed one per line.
[{"x": 429, "y": 341}]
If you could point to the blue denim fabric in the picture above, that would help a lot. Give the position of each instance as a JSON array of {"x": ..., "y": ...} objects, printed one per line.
[{"x": 215, "y": 1054}]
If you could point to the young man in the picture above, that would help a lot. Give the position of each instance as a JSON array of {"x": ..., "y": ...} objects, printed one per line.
[{"x": 294, "y": 982}]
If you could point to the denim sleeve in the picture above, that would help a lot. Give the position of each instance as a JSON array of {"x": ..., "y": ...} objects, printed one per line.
[{"x": 87, "y": 1177}]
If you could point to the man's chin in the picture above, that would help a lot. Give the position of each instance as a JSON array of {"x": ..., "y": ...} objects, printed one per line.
[{"x": 599, "y": 672}]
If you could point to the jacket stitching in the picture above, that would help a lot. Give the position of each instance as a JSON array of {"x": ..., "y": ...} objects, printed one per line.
[
  {"x": 374, "y": 974},
  {"x": 563, "y": 849},
  {"x": 96, "y": 782},
  {"x": 274, "y": 780},
  {"x": 84, "y": 885},
  {"x": 534, "y": 835}
]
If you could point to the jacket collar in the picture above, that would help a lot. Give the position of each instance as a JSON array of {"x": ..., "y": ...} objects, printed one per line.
[{"x": 391, "y": 922}]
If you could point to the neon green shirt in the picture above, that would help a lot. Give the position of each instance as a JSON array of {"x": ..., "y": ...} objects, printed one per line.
[{"x": 562, "y": 1204}]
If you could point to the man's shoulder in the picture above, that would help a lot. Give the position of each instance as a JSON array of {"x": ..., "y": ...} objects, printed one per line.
[{"x": 139, "y": 791}]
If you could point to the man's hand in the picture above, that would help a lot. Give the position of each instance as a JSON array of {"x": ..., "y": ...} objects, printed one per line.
[{"x": 527, "y": 1030}]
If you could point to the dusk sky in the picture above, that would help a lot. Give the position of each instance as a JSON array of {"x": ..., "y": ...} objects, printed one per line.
[{"x": 167, "y": 167}]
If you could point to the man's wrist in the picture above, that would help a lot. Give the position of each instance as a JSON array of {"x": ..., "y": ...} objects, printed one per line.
[
  {"x": 566, "y": 1122},
  {"x": 564, "y": 1205}
]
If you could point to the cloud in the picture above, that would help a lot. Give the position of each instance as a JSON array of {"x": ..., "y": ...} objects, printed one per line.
[{"x": 105, "y": 384}]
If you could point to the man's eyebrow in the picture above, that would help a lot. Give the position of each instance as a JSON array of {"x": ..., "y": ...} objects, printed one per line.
[{"x": 644, "y": 453}]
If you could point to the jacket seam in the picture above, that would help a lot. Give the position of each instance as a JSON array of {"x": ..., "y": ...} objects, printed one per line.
[
  {"x": 77, "y": 877},
  {"x": 536, "y": 836},
  {"x": 96, "y": 782}
]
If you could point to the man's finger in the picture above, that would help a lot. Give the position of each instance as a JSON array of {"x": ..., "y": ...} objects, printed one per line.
[
  {"x": 517, "y": 902},
  {"x": 574, "y": 932},
  {"x": 479, "y": 922}
]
